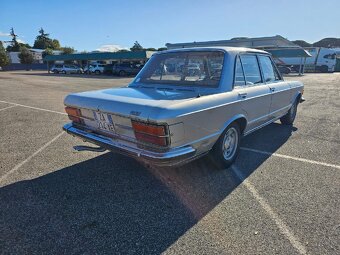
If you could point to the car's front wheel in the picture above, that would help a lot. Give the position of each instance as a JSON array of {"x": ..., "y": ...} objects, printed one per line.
[
  {"x": 122, "y": 73},
  {"x": 289, "y": 118},
  {"x": 227, "y": 146}
]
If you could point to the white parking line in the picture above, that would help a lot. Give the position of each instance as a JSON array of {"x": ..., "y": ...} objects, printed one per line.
[
  {"x": 283, "y": 227},
  {"x": 31, "y": 107},
  {"x": 291, "y": 157},
  {"x": 8, "y": 107},
  {"x": 242, "y": 148},
  {"x": 3, "y": 177}
]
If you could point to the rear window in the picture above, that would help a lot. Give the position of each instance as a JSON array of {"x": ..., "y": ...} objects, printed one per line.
[{"x": 196, "y": 68}]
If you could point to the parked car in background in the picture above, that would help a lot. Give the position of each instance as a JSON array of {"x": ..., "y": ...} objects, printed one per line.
[
  {"x": 108, "y": 69},
  {"x": 125, "y": 69},
  {"x": 193, "y": 69},
  {"x": 85, "y": 68},
  {"x": 97, "y": 68},
  {"x": 174, "y": 117},
  {"x": 56, "y": 68},
  {"x": 284, "y": 69},
  {"x": 66, "y": 69}
]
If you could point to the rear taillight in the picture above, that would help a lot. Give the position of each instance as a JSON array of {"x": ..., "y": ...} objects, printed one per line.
[
  {"x": 150, "y": 133},
  {"x": 74, "y": 114}
]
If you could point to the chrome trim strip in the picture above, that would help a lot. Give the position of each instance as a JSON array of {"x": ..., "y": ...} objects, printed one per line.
[
  {"x": 262, "y": 125},
  {"x": 265, "y": 116}
]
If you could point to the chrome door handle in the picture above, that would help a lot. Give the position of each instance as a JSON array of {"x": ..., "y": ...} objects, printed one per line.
[
  {"x": 272, "y": 89},
  {"x": 242, "y": 95}
]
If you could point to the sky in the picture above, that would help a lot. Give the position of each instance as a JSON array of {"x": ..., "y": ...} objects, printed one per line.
[{"x": 92, "y": 25}]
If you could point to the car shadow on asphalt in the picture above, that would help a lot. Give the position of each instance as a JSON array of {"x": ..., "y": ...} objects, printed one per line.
[{"x": 112, "y": 204}]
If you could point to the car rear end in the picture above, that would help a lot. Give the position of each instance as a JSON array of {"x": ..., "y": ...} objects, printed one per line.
[{"x": 143, "y": 139}]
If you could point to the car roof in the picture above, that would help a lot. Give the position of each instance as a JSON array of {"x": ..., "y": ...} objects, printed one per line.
[{"x": 234, "y": 50}]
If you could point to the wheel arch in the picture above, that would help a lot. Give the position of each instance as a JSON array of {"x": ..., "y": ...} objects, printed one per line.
[
  {"x": 240, "y": 119},
  {"x": 297, "y": 96}
]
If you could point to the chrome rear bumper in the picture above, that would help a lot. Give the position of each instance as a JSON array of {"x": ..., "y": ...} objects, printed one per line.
[{"x": 176, "y": 156}]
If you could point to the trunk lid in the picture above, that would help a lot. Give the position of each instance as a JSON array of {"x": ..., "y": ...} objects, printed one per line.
[{"x": 118, "y": 106}]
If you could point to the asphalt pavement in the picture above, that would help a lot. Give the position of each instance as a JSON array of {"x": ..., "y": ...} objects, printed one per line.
[{"x": 282, "y": 196}]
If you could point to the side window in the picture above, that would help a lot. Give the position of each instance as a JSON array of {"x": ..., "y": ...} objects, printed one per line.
[
  {"x": 251, "y": 69},
  {"x": 278, "y": 76},
  {"x": 239, "y": 75},
  {"x": 267, "y": 69}
]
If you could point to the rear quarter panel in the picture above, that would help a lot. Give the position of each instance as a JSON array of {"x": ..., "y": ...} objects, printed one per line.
[{"x": 199, "y": 122}]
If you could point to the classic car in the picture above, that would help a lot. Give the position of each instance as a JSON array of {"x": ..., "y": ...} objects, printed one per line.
[{"x": 170, "y": 118}]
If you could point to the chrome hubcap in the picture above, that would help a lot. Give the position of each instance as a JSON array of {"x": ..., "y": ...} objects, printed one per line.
[{"x": 230, "y": 142}]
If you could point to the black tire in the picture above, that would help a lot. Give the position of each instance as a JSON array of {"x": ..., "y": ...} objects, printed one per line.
[
  {"x": 97, "y": 72},
  {"x": 289, "y": 118},
  {"x": 122, "y": 73},
  {"x": 64, "y": 72},
  {"x": 219, "y": 153},
  {"x": 324, "y": 69}
]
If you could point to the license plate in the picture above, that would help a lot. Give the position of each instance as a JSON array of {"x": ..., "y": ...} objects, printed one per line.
[{"x": 104, "y": 121}]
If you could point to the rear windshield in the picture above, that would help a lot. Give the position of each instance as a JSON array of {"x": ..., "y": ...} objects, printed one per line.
[{"x": 194, "y": 68}]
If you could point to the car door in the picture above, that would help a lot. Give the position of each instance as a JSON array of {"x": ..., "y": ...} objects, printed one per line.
[
  {"x": 254, "y": 94},
  {"x": 281, "y": 92}
]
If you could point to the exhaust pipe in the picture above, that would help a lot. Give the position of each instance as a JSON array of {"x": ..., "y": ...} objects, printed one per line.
[{"x": 88, "y": 148}]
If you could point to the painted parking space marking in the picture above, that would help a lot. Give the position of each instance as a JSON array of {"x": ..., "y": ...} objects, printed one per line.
[
  {"x": 291, "y": 157},
  {"x": 8, "y": 107},
  {"x": 32, "y": 107},
  {"x": 18, "y": 166},
  {"x": 283, "y": 227}
]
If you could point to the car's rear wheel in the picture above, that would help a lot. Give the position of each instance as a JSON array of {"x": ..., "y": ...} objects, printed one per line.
[
  {"x": 64, "y": 72},
  {"x": 289, "y": 118},
  {"x": 227, "y": 146},
  {"x": 122, "y": 73},
  {"x": 97, "y": 72}
]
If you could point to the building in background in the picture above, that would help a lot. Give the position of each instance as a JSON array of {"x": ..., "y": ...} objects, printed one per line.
[
  {"x": 259, "y": 43},
  {"x": 37, "y": 56}
]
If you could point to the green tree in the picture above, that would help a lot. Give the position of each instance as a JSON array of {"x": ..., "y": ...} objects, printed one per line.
[
  {"x": 136, "y": 47},
  {"x": 4, "y": 59},
  {"x": 150, "y": 49},
  {"x": 162, "y": 48},
  {"x": 123, "y": 50},
  {"x": 46, "y": 52},
  {"x": 25, "y": 56},
  {"x": 67, "y": 50},
  {"x": 43, "y": 41},
  {"x": 55, "y": 44},
  {"x": 14, "y": 44}
]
